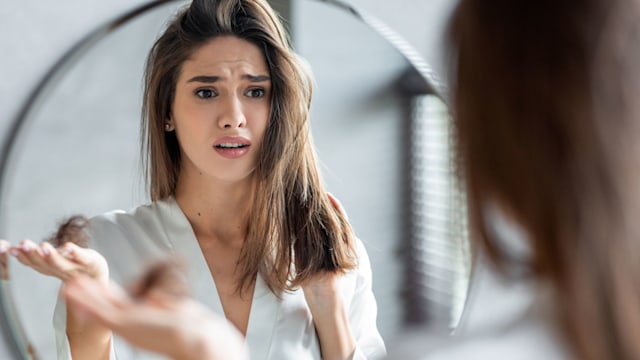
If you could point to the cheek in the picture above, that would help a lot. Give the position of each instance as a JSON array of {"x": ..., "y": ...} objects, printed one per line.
[
  {"x": 190, "y": 119},
  {"x": 260, "y": 116},
  {"x": 262, "y": 130},
  {"x": 184, "y": 107}
]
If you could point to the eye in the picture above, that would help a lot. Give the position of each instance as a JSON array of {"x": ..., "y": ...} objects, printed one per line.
[
  {"x": 205, "y": 93},
  {"x": 255, "y": 93}
]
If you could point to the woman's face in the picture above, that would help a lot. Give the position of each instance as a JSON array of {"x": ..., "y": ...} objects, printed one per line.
[{"x": 221, "y": 109}]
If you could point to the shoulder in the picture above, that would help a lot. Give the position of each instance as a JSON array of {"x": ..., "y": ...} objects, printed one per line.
[
  {"x": 117, "y": 225},
  {"x": 139, "y": 214},
  {"x": 141, "y": 218},
  {"x": 359, "y": 246},
  {"x": 131, "y": 237}
]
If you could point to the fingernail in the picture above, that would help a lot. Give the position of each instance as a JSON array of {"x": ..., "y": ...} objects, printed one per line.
[
  {"x": 66, "y": 252},
  {"x": 14, "y": 251},
  {"x": 46, "y": 250}
]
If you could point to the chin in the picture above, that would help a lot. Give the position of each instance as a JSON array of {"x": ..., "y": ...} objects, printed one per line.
[{"x": 235, "y": 176}]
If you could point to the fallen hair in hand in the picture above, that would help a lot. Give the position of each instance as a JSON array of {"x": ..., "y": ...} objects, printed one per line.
[{"x": 71, "y": 230}]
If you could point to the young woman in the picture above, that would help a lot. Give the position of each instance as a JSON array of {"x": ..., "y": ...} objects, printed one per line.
[{"x": 235, "y": 191}]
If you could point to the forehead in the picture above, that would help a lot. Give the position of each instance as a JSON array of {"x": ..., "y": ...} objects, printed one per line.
[{"x": 226, "y": 55}]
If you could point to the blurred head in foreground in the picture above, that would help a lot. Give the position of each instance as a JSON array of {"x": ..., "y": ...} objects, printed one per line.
[{"x": 547, "y": 122}]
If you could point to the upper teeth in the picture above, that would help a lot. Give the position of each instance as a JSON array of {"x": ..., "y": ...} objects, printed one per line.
[{"x": 230, "y": 145}]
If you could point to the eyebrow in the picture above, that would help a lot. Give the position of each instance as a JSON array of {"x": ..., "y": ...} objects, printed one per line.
[{"x": 212, "y": 79}]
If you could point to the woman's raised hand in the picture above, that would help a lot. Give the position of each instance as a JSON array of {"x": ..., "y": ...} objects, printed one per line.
[
  {"x": 63, "y": 262},
  {"x": 68, "y": 258},
  {"x": 329, "y": 314}
]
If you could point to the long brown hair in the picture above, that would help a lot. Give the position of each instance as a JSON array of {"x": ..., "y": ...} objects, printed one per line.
[
  {"x": 294, "y": 232},
  {"x": 547, "y": 119}
]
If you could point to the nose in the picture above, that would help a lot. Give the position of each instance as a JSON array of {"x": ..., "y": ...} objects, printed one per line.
[{"x": 231, "y": 114}]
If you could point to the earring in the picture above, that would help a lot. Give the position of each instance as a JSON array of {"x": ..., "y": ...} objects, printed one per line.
[{"x": 167, "y": 127}]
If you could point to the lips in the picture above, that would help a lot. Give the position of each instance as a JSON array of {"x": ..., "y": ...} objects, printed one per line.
[{"x": 232, "y": 147}]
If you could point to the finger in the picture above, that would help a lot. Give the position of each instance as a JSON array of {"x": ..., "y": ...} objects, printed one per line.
[
  {"x": 47, "y": 249},
  {"x": 22, "y": 256},
  {"x": 70, "y": 253},
  {"x": 4, "y": 246},
  {"x": 26, "y": 261},
  {"x": 33, "y": 253},
  {"x": 60, "y": 266},
  {"x": 54, "y": 261},
  {"x": 77, "y": 254},
  {"x": 90, "y": 261},
  {"x": 67, "y": 251},
  {"x": 46, "y": 260},
  {"x": 18, "y": 253},
  {"x": 336, "y": 204}
]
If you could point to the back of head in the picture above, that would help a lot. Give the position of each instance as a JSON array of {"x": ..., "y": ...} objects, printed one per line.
[{"x": 548, "y": 129}]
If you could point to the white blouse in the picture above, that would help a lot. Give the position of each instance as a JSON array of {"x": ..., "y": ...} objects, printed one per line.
[{"x": 277, "y": 328}]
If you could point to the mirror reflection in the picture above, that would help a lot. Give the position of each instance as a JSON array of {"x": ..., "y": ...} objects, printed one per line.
[{"x": 89, "y": 119}]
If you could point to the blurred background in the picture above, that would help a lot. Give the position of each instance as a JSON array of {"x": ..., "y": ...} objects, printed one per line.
[{"x": 382, "y": 140}]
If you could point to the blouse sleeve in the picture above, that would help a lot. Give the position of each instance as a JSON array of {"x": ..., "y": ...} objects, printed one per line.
[
  {"x": 363, "y": 312},
  {"x": 60, "y": 327}
]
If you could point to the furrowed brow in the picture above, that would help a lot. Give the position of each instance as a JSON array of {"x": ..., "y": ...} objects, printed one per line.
[
  {"x": 205, "y": 79},
  {"x": 256, "y": 78}
]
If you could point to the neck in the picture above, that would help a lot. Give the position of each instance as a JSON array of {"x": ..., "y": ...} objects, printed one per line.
[{"x": 217, "y": 210}]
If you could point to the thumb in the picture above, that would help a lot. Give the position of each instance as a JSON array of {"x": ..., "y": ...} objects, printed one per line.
[
  {"x": 90, "y": 260},
  {"x": 337, "y": 205}
]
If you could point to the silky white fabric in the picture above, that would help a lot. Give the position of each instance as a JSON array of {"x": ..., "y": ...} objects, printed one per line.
[{"x": 277, "y": 328}]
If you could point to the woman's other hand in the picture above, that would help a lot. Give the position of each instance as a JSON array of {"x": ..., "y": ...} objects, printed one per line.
[
  {"x": 157, "y": 321},
  {"x": 337, "y": 205},
  {"x": 323, "y": 297},
  {"x": 329, "y": 315}
]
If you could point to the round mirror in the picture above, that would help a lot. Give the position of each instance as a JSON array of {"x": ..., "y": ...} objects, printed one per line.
[{"x": 380, "y": 126}]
